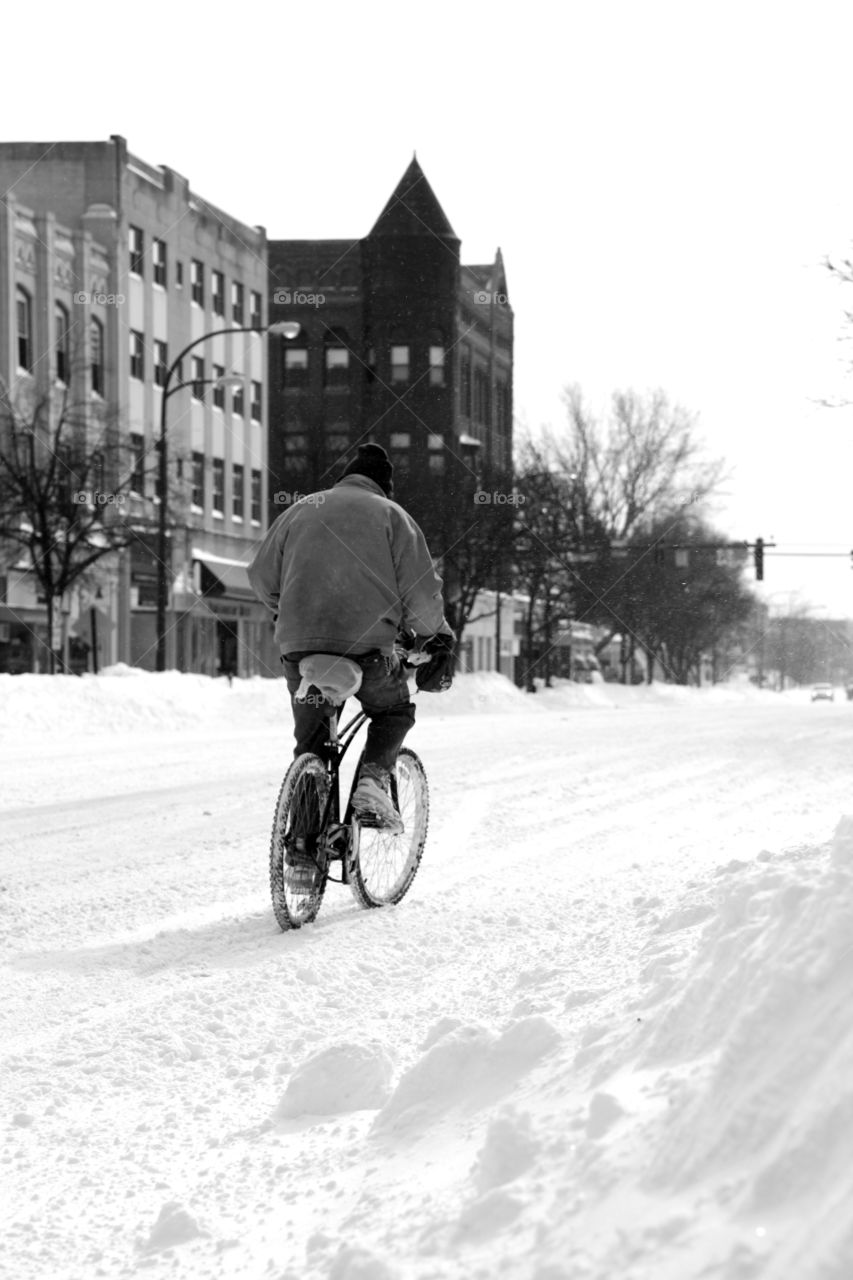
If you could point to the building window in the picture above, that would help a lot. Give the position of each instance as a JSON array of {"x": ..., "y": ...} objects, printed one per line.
[
  {"x": 465, "y": 386},
  {"x": 499, "y": 404},
  {"x": 237, "y": 308},
  {"x": 24, "y": 308},
  {"x": 400, "y": 443},
  {"x": 255, "y": 409},
  {"x": 137, "y": 463},
  {"x": 399, "y": 364},
  {"x": 218, "y": 389},
  {"x": 219, "y": 486},
  {"x": 255, "y": 308},
  {"x": 481, "y": 396},
  {"x": 437, "y": 463},
  {"x": 197, "y": 281},
  {"x": 60, "y": 324},
  {"x": 256, "y": 497},
  {"x": 238, "y": 401},
  {"x": 137, "y": 355},
  {"x": 137, "y": 252},
  {"x": 198, "y": 378},
  {"x": 158, "y": 253},
  {"x": 436, "y": 366},
  {"x": 96, "y": 355},
  {"x": 337, "y": 366},
  {"x": 179, "y": 275},
  {"x": 217, "y": 293},
  {"x": 337, "y": 442},
  {"x": 237, "y": 482},
  {"x": 198, "y": 481},
  {"x": 295, "y": 366},
  {"x": 161, "y": 362}
]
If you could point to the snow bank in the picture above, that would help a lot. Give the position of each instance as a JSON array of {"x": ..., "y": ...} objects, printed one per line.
[
  {"x": 140, "y": 701},
  {"x": 730, "y": 1107},
  {"x": 126, "y": 699}
]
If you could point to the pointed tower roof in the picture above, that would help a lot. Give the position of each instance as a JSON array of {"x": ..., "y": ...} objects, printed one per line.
[{"x": 413, "y": 209}]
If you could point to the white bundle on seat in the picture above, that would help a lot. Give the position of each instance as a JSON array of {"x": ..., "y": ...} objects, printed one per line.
[{"x": 337, "y": 678}]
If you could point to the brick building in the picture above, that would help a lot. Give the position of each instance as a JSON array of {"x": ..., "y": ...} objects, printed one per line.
[
  {"x": 400, "y": 343},
  {"x": 109, "y": 268}
]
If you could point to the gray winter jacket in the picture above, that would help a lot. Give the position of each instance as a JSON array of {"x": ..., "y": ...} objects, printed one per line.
[{"x": 344, "y": 569}]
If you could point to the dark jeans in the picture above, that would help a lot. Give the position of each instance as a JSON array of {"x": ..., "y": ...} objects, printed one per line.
[{"x": 384, "y": 695}]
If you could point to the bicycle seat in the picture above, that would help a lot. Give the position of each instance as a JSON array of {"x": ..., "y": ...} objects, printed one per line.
[{"x": 337, "y": 678}]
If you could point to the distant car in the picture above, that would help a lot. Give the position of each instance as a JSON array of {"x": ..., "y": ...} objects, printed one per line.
[{"x": 823, "y": 692}]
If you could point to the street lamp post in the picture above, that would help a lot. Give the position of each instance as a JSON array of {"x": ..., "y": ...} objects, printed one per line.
[{"x": 288, "y": 330}]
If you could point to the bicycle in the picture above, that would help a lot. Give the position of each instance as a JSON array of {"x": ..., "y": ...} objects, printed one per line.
[{"x": 377, "y": 865}]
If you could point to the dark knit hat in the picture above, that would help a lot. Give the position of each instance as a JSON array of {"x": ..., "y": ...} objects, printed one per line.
[{"x": 372, "y": 461}]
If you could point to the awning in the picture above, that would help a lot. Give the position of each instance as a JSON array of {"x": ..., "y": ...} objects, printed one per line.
[
  {"x": 223, "y": 577},
  {"x": 470, "y": 442}
]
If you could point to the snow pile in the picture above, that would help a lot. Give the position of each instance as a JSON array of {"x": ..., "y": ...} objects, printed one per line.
[
  {"x": 478, "y": 692},
  {"x": 127, "y": 700},
  {"x": 174, "y": 1225},
  {"x": 566, "y": 693},
  {"x": 342, "y": 1078},
  {"x": 464, "y": 1067},
  {"x": 726, "y": 1118}
]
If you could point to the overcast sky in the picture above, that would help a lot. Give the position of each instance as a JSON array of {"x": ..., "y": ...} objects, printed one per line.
[{"x": 664, "y": 179}]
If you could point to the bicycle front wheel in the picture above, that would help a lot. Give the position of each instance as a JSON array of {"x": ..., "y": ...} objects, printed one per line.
[
  {"x": 382, "y": 865},
  {"x": 298, "y": 869}
]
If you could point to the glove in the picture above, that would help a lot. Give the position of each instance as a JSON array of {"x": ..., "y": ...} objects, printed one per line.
[{"x": 436, "y": 676}]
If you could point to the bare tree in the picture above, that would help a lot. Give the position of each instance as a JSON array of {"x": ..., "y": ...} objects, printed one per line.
[
  {"x": 468, "y": 519},
  {"x": 643, "y": 459},
  {"x": 66, "y": 482},
  {"x": 627, "y": 469},
  {"x": 679, "y": 598}
]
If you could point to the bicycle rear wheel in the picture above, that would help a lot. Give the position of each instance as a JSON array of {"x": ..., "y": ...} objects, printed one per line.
[
  {"x": 382, "y": 866},
  {"x": 296, "y": 833}
]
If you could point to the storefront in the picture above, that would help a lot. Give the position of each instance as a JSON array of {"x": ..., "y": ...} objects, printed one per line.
[
  {"x": 221, "y": 628},
  {"x": 23, "y": 641}
]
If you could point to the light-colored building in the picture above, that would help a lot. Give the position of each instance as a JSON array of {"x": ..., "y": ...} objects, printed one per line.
[
  {"x": 110, "y": 268},
  {"x": 491, "y": 630}
]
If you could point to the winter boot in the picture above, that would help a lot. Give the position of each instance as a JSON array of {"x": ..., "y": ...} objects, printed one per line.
[{"x": 372, "y": 801}]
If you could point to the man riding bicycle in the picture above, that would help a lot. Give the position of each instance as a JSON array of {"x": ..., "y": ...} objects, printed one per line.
[{"x": 346, "y": 570}]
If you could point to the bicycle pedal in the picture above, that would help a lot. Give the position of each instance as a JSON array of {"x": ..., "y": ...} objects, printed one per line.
[{"x": 373, "y": 822}]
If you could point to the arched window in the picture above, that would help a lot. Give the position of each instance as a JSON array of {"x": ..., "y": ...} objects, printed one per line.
[
  {"x": 60, "y": 341},
  {"x": 96, "y": 355},
  {"x": 24, "y": 309},
  {"x": 294, "y": 360}
]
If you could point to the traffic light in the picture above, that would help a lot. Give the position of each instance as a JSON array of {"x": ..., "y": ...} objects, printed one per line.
[{"x": 759, "y": 559}]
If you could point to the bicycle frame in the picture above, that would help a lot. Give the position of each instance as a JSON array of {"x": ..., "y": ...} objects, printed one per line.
[{"x": 330, "y": 824}]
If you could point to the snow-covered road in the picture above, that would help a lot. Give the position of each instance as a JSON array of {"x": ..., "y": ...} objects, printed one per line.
[{"x": 452, "y": 1088}]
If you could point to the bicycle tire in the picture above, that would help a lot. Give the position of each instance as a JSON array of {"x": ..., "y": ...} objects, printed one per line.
[
  {"x": 382, "y": 866},
  {"x": 300, "y": 802}
]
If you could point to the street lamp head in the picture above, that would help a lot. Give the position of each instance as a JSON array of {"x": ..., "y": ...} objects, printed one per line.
[
  {"x": 288, "y": 329},
  {"x": 230, "y": 381}
]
